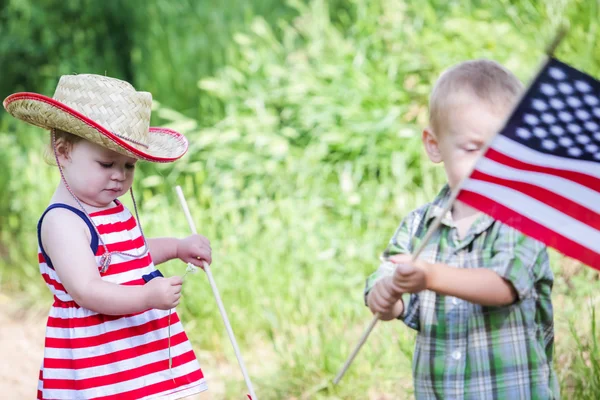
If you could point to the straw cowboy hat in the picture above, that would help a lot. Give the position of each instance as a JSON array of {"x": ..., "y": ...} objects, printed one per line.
[{"x": 105, "y": 111}]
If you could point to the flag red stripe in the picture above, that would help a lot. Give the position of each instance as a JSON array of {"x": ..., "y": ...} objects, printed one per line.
[
  {"x": 573, "y": 209},
  {"x": 83, "y": 322},
  {"x": 64, "y": 304},
  {"x": 39, "y": 392},
  {"x": 126, "y": 332},
  {"x": 135, "y": 282},
  {"x": 116, "y": 226},
  {"x": 109, "y": 211},
  {"x": 126, "y": 266},
  {"x": 116, "y": 356},
  {"x": 52, "y": 282},
  {"x": 126, "y": 246},
  {"x": 158, "y": 387},
  {"x": 58, "y": 286},
  {"x": 130, "y": 246},
  {"x": 117, "y": 377},
  {"x": 531, "y": 228},
  {"x": 71, "y": 304},
  {"x": 588, "y": 181}
]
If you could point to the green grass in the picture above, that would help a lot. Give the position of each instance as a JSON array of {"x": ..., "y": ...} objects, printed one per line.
[{"x": 305, "y": 154}]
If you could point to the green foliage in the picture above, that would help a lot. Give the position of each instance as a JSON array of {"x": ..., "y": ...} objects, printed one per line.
[
  {"x": 304, "y": 121},
  {"x": 42, "y": 40},
  {"x": 176, "y": 43},
  {"x": 585, "y": 375}
]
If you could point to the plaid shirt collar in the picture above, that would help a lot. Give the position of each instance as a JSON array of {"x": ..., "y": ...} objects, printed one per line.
[{"x": 436, "y": 208}]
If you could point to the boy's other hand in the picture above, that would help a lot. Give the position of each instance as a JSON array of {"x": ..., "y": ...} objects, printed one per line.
[
  {"x": 385, "y": 299},
  {"x": 409, "y": 276}
]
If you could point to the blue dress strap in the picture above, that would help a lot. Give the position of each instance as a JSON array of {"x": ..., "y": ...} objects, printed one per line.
[{"x": 81, "y": 214}]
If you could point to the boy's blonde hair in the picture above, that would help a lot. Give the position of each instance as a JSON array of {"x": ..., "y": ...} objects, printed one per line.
[{"x": 487, "y": 80}]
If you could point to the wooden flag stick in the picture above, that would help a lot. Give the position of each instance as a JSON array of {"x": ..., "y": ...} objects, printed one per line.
[
  {"x": 436, "y": 223},
  {"x": 558, "y": 37},
  {"x": 215, "y": 291}
]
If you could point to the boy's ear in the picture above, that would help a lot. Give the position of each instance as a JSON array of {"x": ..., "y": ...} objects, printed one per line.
[{"x": 431, "y": 144}]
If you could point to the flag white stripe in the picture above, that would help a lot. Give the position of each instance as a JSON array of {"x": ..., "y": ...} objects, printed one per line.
[
  {"x": 115, "y": 388},
  {"x": 70, "y": 312},
  {"x": 564, "y": 187},
  {"x": 105, "y": 326},
  {"x": 124, "y": 365},
  {"x": 62, "y": 296},
  {"x": 121, "y": 236},
  {"x": 539, "y": 212},
  {"x": 525, "y": 154},
  {"x": 174, "y": 394},
  {"x": 128, "y": 276},
  {"x": 116, "y": 258},
  {"x": 120, "y": 258},
  {"x": 112, "y": 218},
  {"x": 111, "y": 347}
]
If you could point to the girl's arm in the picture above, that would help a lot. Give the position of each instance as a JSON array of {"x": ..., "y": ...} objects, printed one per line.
[
  {"x": 66, "y": 240},
  {"x": 193, "y": 249},
  {"x": 163, "y": 249}
]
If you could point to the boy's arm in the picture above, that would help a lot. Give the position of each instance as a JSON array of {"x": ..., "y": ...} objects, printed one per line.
[
  {"x": 508, "y": 276},
  {"x": 478, "y": 285}
]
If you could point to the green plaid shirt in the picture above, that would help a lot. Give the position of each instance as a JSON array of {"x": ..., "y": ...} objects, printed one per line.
[{"x": 465, "y": 350}]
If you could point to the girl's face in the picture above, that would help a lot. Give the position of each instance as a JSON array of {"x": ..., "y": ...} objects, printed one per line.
[{"x": 96, "y": 175}]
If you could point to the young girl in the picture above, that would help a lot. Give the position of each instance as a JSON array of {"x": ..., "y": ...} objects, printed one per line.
[{"x": 110, "y": 332}]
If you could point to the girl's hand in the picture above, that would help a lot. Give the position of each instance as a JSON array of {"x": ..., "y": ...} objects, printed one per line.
[
  {"x": 194, "y": 249},
  {"x": 163, "y": 293}
]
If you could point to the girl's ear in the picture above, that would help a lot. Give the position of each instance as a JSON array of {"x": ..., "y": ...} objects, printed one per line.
[
  {"x": 63, "y": 150},
  {"x": 432, "y": 146}
]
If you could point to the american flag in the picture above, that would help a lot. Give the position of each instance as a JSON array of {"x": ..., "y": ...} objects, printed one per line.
[{"x": 541, "y": 173}]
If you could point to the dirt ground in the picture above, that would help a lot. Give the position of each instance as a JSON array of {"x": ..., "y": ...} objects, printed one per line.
[
  {"x": 21, "y": 350},
  {"x": 22, "y": 346}
]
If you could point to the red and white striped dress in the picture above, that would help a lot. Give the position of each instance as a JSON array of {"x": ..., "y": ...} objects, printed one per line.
[{"x": 93, "y": 356}]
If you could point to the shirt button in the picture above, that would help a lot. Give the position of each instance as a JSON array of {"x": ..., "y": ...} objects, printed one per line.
[
  {"x": 456, "y": 355},
  {"x": 455, "y": 301}
]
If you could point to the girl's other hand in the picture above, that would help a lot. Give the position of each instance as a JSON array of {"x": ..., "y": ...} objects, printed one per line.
[
  {"x": 163, "y": 293},
  {"x": 194, "y": 249}
]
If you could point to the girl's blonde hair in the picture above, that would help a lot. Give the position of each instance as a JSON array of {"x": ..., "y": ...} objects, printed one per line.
[{"x": 62, "y": 138}]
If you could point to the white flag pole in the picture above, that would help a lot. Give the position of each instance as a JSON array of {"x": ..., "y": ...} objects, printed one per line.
[{"x": 215, "y": 291}]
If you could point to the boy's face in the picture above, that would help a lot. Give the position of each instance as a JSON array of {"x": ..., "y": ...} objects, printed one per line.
[
  {"x": 97, "y": 175},
  {"x": 469, "y": 125}
]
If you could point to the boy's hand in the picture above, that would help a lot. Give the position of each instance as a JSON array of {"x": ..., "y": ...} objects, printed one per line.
[
  {"x": 384, "y": 299},
  {"x": 409, "y": 276},
  {"x": 194, "y": 249},
  {"x": 163, "y": 293}
]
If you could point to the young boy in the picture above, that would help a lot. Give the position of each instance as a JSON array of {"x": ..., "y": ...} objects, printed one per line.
[{"x": 479, "y": 294}]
